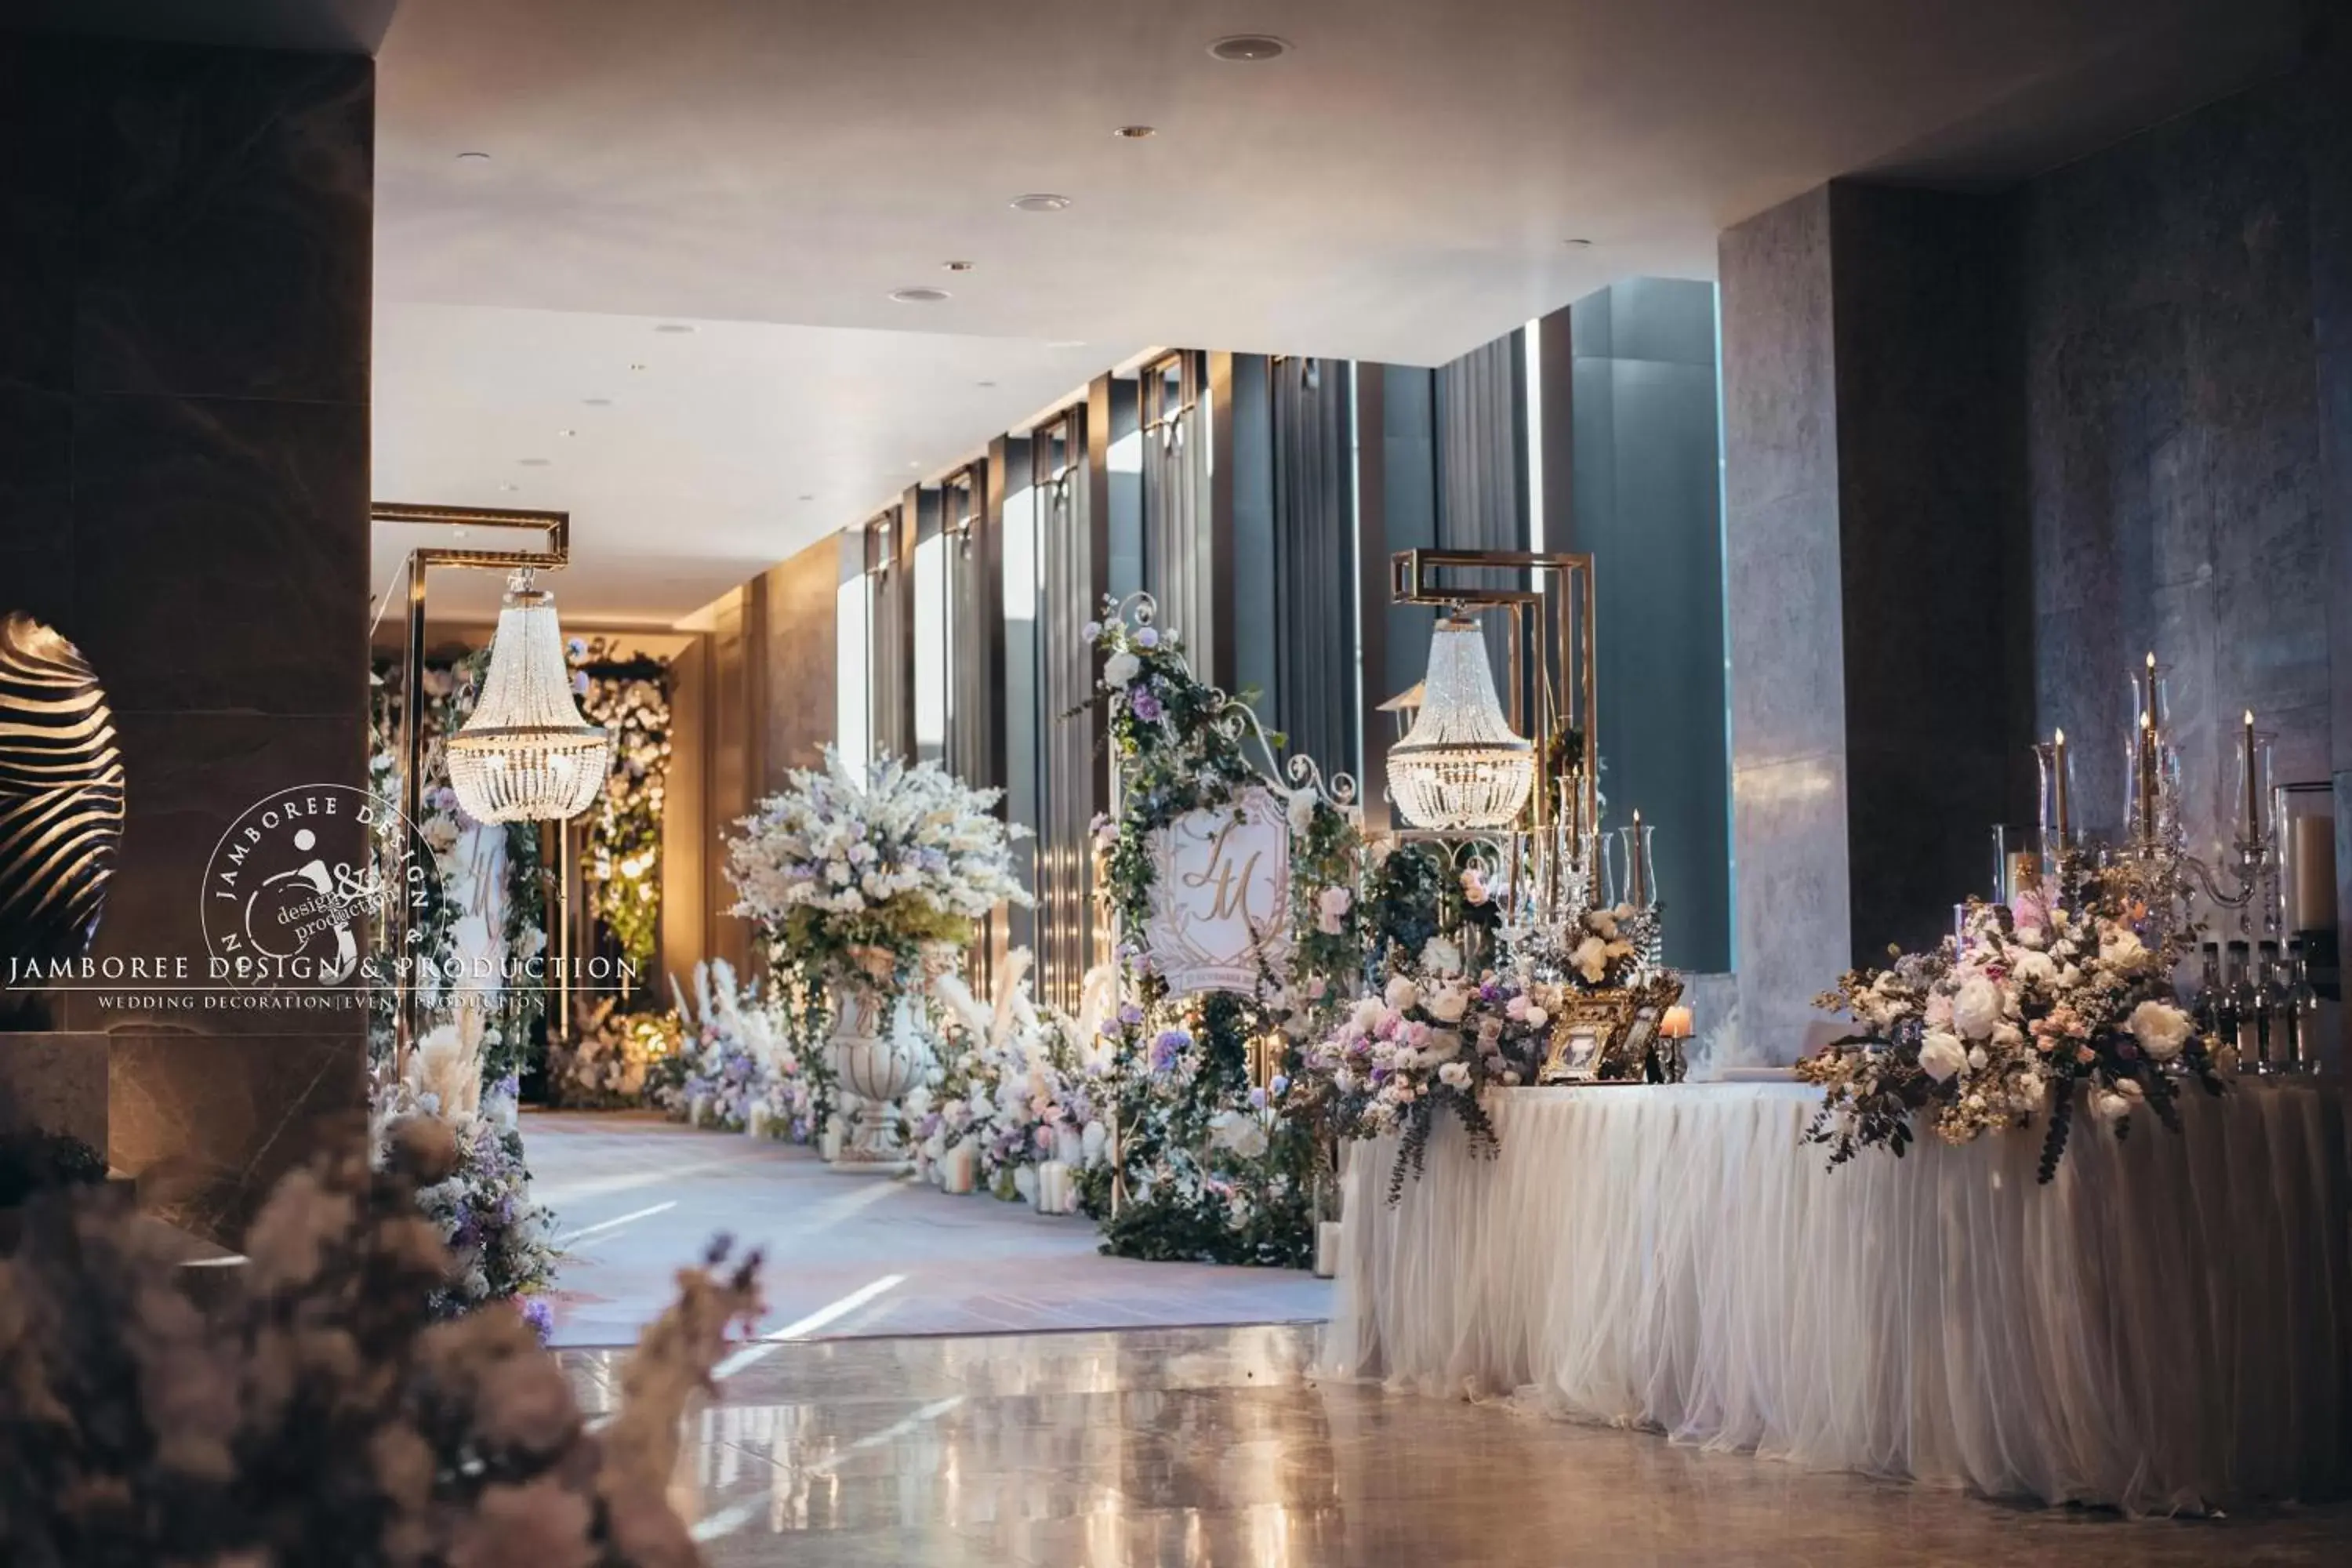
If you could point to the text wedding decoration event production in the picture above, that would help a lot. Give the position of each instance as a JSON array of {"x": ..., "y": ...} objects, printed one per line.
[{"x": 2071, "y": 985}]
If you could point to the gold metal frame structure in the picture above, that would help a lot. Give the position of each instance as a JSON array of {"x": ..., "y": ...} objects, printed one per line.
[
  {"x": 1411, "y": 574},
  {"x": 556, "y": 553}
]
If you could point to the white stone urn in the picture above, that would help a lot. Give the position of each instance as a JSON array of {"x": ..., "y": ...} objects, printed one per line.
[{"x": 879, "y": 1055}]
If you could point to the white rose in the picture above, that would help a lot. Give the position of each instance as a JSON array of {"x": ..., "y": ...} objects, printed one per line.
[
  {"x": 1402, "y": 993},
  {"x": 1448, "y": 1005},
  {"x": 2161, "y": 1028},
  {"x": 2038, "y": 967},
  {"x": 1536, "y": 1018},
  {"x": 1440, "y": 957},
  {"x": 1977, "y": 1009},
  {"x": 1591, "y": 959},
  {"x": 1301, "y": 810},
  {"x": 1120, "y": 669},
  {"x": 1977, "y": 1058},
  {"x": 2121, "y": 948},
  {"x": 1368, "y": 1013},
  {"x": 2111, "y": 1107},
  {"x": 1455, "y": 1075},
  {"x": 1941, "y": 1055}
]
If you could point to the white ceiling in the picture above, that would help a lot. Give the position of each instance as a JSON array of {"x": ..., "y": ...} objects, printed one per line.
[
  {"x": 1399, "y": 187},
  {"x": 692, "y": 479}
]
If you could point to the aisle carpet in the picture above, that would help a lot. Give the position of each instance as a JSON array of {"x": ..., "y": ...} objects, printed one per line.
[{"x": 848, "y": 1255}]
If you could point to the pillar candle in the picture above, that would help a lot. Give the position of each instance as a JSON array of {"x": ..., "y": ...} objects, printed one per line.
[
  {"x": 1674, "y": 1024},
  {"x": 1326, "y": 1248},
  {"x": 2310, "y": 849},
  {"x": 959, "y": 1170}
]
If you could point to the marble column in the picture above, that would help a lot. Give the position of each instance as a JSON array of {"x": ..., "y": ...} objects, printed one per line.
[
  {"x": 186, "y": 243},
  {"x": 1876, "y": 676}
]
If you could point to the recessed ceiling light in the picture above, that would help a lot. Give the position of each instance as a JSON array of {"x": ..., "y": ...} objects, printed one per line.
[
  {"x": 1067, "y": 343},
  {"x": 673, "y": 327},
  {"x": 597, "y": 402},
  {"x": 510, "y": 488},
  {"x": 637, "y": 365},
  {"x": 983, "y": 384},
  {"x": 567, "y": 433},
  {"x": 810, "y": 496},
  {"x": 919, "y": 296},
  {"x": 532, "y": 462},
  {"x": 1578, "y": 244},
  {"x": 958, "y": 265},
  {"x": 471, "y": 158},
  {"x": 1248, "y": 48},
  {"x": 1136, "y": 133},
  {"x": 1040, "y": 202},
  {"x": 456, "y": 533}
]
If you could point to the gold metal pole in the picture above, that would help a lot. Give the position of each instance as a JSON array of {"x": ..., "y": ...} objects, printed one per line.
[{"x": 411, "y": 802}]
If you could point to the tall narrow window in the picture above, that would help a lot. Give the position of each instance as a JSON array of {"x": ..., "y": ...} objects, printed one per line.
[
  {"x": 931, "y": 640},
  {"x": 853, "y": 725}
]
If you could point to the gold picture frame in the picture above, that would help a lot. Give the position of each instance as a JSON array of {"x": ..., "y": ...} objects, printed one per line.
[{"x": 1612, "y": 1036}]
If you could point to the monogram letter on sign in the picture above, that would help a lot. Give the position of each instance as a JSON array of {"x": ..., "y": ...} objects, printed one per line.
[{"x": 1221, "y": 896}]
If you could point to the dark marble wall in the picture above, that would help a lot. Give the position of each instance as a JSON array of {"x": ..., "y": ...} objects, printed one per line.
[
  {"x": 1985, "y": 452},
  {"x": 2327, "y": 154},
  {"x": 1937, "y": 644},
  {"x": 2173, "y": 443},
  {"x": 184, "y": 300}
]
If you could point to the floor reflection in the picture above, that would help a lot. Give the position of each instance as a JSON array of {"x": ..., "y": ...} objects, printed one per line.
[{"x": 1214, "y": 1447}]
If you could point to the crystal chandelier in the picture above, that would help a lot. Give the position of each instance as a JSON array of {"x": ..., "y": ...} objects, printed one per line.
[
  {"x": 1461, "y": 767},
  {"x": 526, "y": 755}
]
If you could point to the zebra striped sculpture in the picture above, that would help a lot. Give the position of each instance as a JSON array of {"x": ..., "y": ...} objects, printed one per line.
[{"x": 60, "y": 801}]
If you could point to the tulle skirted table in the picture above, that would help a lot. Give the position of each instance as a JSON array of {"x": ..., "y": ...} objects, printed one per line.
[{"x": 2162, "y": 1328}]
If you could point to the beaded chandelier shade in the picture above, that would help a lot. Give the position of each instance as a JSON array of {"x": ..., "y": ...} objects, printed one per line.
[
  {"x": 526, "y": 755},
  {"x": 1461, "y": 767}
]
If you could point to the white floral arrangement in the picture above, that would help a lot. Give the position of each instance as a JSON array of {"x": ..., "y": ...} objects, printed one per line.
[
  {"x": 2003, "y": 1023},
  {"x": 859, "y": 871},
  {"x": 1019, "y": 1084},
  {"x": 499, "y": 1236}
]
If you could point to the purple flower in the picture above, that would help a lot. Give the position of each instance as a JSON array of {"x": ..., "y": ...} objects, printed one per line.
[
  {"x": 1147, "y": 638},
  {"x": 1170, "y": 1045},
  {"x": 1091, "y": 630},
  {"x": 1143, "y": 705},
  {"x": 538, "y": 1315},
  {"x": 1130, "y": 1014}
]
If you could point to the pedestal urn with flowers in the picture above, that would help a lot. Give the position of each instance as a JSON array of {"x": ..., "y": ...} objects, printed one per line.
[{"x": 870, "y": 881}]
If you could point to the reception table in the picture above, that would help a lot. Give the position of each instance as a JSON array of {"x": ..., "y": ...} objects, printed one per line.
[{"x": 2163, "y": 1328}]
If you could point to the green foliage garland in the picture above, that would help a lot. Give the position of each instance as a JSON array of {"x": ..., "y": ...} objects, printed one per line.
[{"x": 1210, "y": 1170}]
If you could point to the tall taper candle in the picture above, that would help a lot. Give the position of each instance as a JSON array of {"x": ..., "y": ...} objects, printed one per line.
[
  {"x": 2058, "y": 801},
  {"x": 2253, "y": 783},
  {"x": 2147, "y": 754}
]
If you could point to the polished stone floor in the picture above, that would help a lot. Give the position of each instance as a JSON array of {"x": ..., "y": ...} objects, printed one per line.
[
  {"x": 1215, "y": 1448},
  {"x": 635, "y": 1196}
]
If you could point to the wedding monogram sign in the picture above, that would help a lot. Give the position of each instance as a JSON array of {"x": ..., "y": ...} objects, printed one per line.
[{"x": 1220, "y": 897}]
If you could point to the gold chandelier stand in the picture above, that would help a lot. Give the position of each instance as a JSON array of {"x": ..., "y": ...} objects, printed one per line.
[
  {"x": 555, "y": 527},
  {"x": 1542, "y": 625}
]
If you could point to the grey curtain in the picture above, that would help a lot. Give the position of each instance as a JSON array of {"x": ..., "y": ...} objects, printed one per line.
[
  {"x": 1314, "y": 561},
  {"x": 1071, "y": 787},
  {"x": 1482, "y": 502},
  {"x": 1177, "y": 539}
]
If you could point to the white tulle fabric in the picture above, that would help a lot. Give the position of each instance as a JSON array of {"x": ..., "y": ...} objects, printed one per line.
[{"x": 2162, "y": 1329}]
